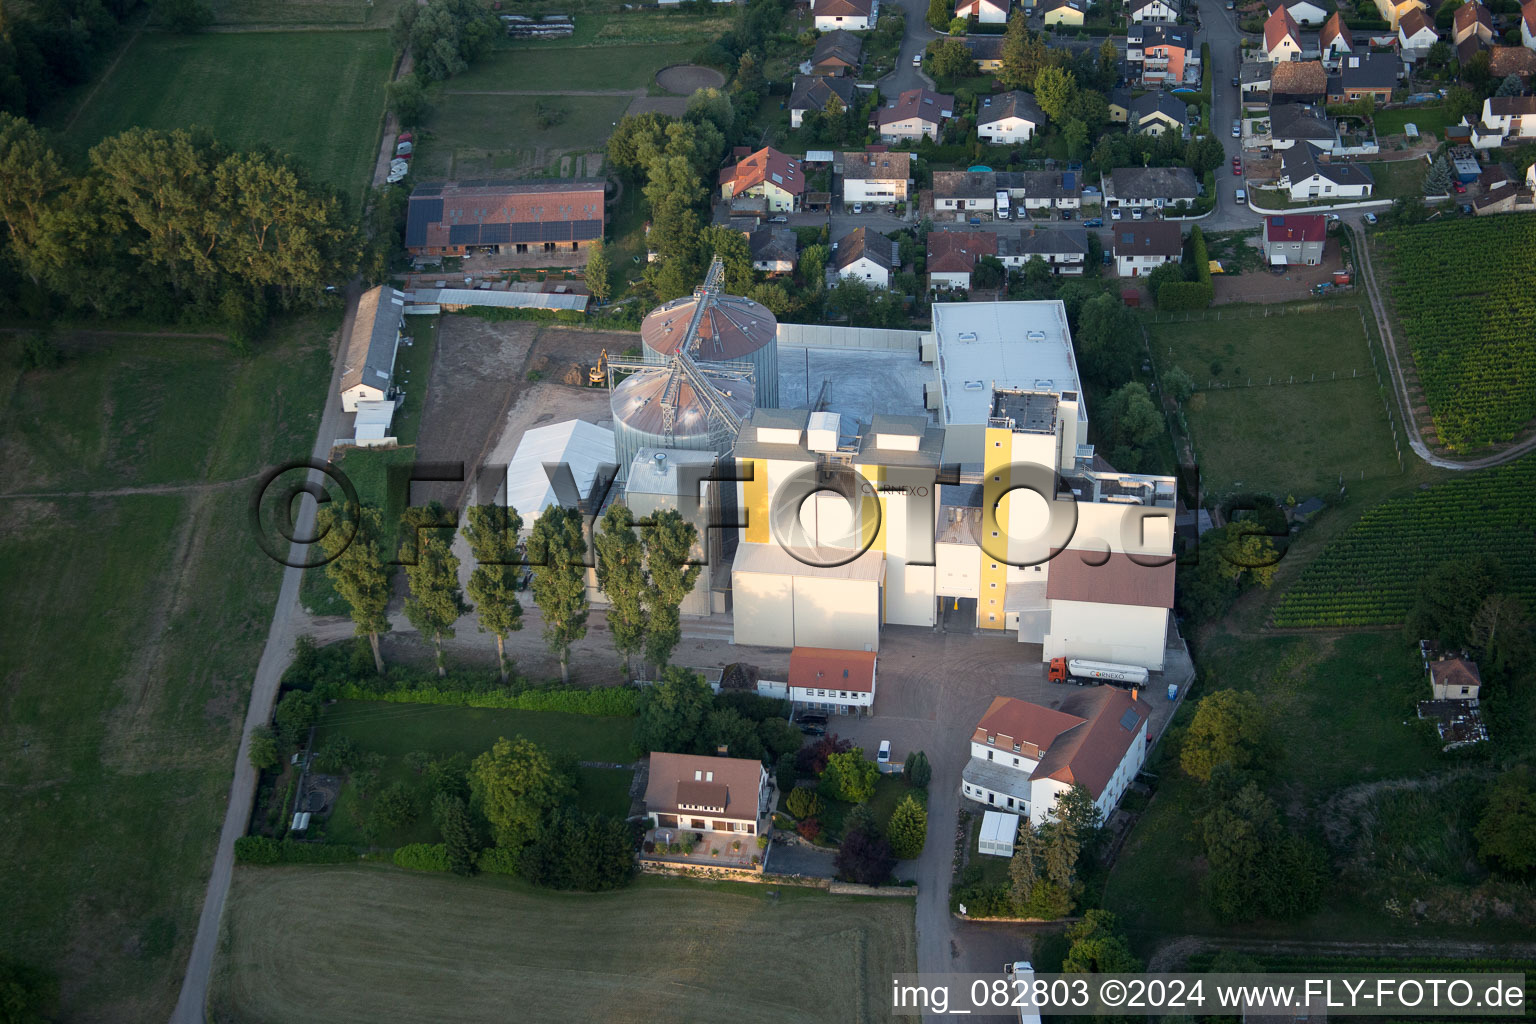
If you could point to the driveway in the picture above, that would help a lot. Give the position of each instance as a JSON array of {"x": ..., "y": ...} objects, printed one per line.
[
  {"x": 914, "y": 40},
  {"x": 1219, "y": 28}
]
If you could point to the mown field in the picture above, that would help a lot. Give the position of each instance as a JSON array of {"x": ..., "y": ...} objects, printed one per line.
[
  {"x": 1286, "y": 439},
  {"x": 136, "y": 607},
  {"x": 316, "y": 95},
  {"x": 1461, "y": 291},
  {"x": 382, "y": 944}
]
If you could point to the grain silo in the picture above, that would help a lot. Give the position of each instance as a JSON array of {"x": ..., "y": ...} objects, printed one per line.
[
  {"x": 711, "y": 327},
  {"x": 678, "y": 405}
]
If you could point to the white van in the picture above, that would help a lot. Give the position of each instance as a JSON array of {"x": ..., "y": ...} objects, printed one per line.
[
  {"x": 884, "y": 756},
  {"x": 1240, "y": 195}
]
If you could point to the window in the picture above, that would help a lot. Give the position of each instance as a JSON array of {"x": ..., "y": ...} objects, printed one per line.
[
  {"x": 1015, "y": 762},
  {"x": 992, "y": 585},
  {"x": 1016, "y": 748},
  {"x": 989, "y": 755}
]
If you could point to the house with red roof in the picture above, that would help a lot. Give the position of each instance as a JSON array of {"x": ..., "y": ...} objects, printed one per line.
[
  {"x": 952, "y": 255},
  {"x": 1294, "y": 239},
  {"x": 1528, "y": 23},
  {"x": 1335, "y": 40},
  {"x": 1282, "y": 36},
  {"x": 912, "y": 115},
  {"x": 769, "y": 175},
  {"x": 1415, "y": 35},
  {"x": 1025, "y": 756},
  {"x": 832, "y": 681}
]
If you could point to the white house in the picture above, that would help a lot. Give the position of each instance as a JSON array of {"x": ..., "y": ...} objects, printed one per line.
[
  {"x": 1282, "y": 36},
  {"x": 1140, "y": 248},
  {"x": 707, "y": 794},
  {"x": 1064, "y": 249},
  {"x": 965, "y": 191},
  {"x": 952, "y": 255},
  {"x": 865, "y": 256},
  {"x": 832, "y": 681},
  {"x": 1043, "y": 190},
  {"x": 986, "y": 12},
  {"x": 913, "y": 114},
  {"x": 1528, "y": 23},
  {"x": 1024, "y": 756},
  {"x": 875, "y": 177},
  {"x": 1509, "y": 117},
  {"x": 1306, "y": 177},
  {"x": 1415, "y": 35},
  {"x": 1335, "y": 40},
  {"x": 1142, "y": 11},
  {"x": 849, "y": 15},
  {"x": 1150, "y": 187},
  {"x": 1009, "y": 118},
  {"x": 1153, "y": 113},
  {"x": 370, "y": 364},
  {"x": 818, "y": 93},
  {"x": 1306, "y": 12}
]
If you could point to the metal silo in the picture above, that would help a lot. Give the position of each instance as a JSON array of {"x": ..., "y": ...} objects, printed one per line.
[
  {"x": 710, "y": 327},
  {"x": 679, "y": 405}
]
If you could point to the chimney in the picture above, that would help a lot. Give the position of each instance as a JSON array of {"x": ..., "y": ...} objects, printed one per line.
[
  {"x": 1135, "y": 693},
  {"x": 722, "y": 751}
]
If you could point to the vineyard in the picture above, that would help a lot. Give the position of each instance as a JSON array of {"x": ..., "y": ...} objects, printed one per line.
[
  {"x": 1462, "y": 292},
  {"x": 1369, "y": 574}
]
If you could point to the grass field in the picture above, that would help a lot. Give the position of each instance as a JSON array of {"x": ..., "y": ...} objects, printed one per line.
[
  {"x": 1330, "y": 429},
  {"x": 490, "y": 135},
  {"x": 559, "y": 68},
  {"x": 316, "y": 95},
  {"x": 133, "y": 623},
  {"x": 382, "y": 944},
  {"x": 1428, "y": 117},
  {"x": 373, "y": 13},
  {"x": 395, "y": 730}
]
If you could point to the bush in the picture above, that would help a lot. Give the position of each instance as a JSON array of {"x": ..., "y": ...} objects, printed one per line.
[
  {"x": 338, "y": 756},
  {"x": 263, "y": 752},
  {"x": 849, "y": 777},
  {"x": 614, "y": 701},
  {"x": 648, "y": 846},
  {"x": 422, "y": 857},
  {"x": 395, "y": 806},
  {"x": 495, "y": 860},
  {"x": 809, "y": 829},
  {"x": 257, "y": 850},
  {"x": 263, "y": 850},
  {"x": 1185, "y": 295},
  {"x": 803, "y": 803},
  {"x": 762, "y": 842}
]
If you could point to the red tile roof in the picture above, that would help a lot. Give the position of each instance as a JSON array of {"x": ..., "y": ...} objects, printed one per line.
[
  {"x": 1298, "y": 78},
  {"x": 1295, "y": 227},
  {"x": 825, "y": 668},
  {"x": 1513, "y": 60},
  {"x": 1116, "y": 580},
  {"x": 731, "y": 784},
  {"x": 1010, "y": 720},
  {"x": 1089, "y": 755},
  {"x": 1528, "y": 15},
  {"x": 1470, "y": 14},
  {"x": 766, "y": 165},
  {"x": 1455, "y": 672},
  {"x": 952, "y": 252},
  {"x": 1335, "y": 28},
  {"x": 1412, "y": 23},
  {"x": 1279, "y": 25}
]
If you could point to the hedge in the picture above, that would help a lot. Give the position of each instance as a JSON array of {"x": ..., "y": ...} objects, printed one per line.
[
  {"x": 422, "y": 857},
  {"x": 1184, "y": 295},
  {"x": 499, "y": 313},
  {"x": 1199, "y": 256},
  {"x": 615, "y": 701},
  {"x": 265, "y": 850},
  {"x": 496, "y": 860}
]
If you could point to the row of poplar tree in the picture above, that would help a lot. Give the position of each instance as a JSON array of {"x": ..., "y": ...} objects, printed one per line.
[{"x": 642, "y": 568}]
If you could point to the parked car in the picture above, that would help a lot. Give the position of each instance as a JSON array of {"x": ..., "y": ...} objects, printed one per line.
[
  {"x": 1136, "y": 214},
  {"x": 858, "y": 207},
  {"x": 403, "y": 149},
  {"x": 884, "y": 756},
  {"x": 1237, "y": 129},
  {"x": 1108, "y": 257},
  {"x": 1240, "y": 195},
  {"x": 917, "y": 60},
  {"x": 1459, "y": 187},
  {"x": 1066, "y": 214},
  {"x": 1095, "y": 222},
  {"x": 1370, "y": 218},
  {"x": 780, "y": 219},
  {"x": 1236, "y": 82},
  {"x": 1114, "y": 213},
  {"x": 1237, "y": 169}
]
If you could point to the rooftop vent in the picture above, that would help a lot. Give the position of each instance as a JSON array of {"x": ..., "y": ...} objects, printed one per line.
[
  {"x": 966, "y": 336},
  {"x": 1035, "y": 335}
]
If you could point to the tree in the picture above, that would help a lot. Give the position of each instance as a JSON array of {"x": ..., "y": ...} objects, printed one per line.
[
  {"x": 779, "y": 737},
  {"x": 952, "y": 58},
  {"x": 1055, "y": 91},
  {"x": 1059, "y": 849},
  {"x": 917, "y": 770},
  {"x": 27, "y": 995},
  {"x": 672, "y": 712},
  {"x": 350, "y": 536},
  {"x": 715, "y": 106},
  {"x": 578, "y": 851},
  {"x": 1256, "y": 868},
  {"x": 296, "y": 713},
  {"x": 1075, "y": 132},
  {"x": 31, "y": 180},
  {"x": 849, "y": 777},
  {"x": 393, "y": 808},
  {"x": 621, "y": 576},
  {"x": 1096, "y": 948},
  {"x": 451, "y": 817},
  {"x": 730, "y": 729},
  {"x": 1249, "y": 551},
  {"x": 1446, "y": 15},
  {"x": 812, "y": 267},
  {"x": 557, "y": 550},
  {"x": 803, "y": 803},
  {"x": 1449, "y": 598},
  {"x": 491, "y": 533},
  {"x": 812, "y": 759},
  {"x": 599, "y": 271},
  {"x": 1438, "y": 181},
  {"x": 1228, "y": 729},
  {"x": 733, "y": 250},
  {"x": 1506, "y": 832},
  {"x": 1135, "y": 427},
  {"x": 263, "y": 753},
  {"x": 407, "y": 99},
  {"x": 1510, "y": 86},
  {"x": 1462, "y": 102},
  {"x": 908, "y": 828},
  {"x": 435, "y": 601},
  {"x": 1108, "y": 338},
  {"x": 864, "y": 857},
  {"x": 516, "y": 786},
  {"x": 1077, "y": 808},
  {"x": 989, "y": 273},
  {"x": 184, "y": 15},
  {"x": 668, "y": 542},
  {"x": 1500, "y": 634},
  {"x": 1439, "y": 54},
  {"x": 939, "y": 15},
  {"x": 1204, "y": 154},
  {"x": 1178, "y": 385},
  {"x": 1108, "y": 64}
]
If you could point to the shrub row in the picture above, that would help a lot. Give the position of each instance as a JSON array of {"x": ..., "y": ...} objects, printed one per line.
[
  {"x": 1185, "y": 295},
  {"x": 422, "y": 857},
  {"x": 264, "y": 850},
  {"x": 616, "y": 701}
]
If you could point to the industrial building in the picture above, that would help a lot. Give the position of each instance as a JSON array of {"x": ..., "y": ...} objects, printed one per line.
[{"x": 713, "y": 328}]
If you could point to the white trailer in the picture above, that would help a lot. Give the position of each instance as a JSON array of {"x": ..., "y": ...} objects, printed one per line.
[
  {"x": 1023, "y": 973},
  {"x": 1076, "y": 670},
  {"x": 1002, "y": 204}
]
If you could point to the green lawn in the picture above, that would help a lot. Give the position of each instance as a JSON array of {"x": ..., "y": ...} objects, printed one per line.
[
  {"x": 1329, "y": 429},
  {"x": 546, "y": 66},
  {"x": 394, "y": 730},
  {"x": 1397, "y": 179},
  {"x": 375, "y": 13},
  {"x": 1430, "y": 118},
  {"x": 889, "y": 790},
  {"x": 133, "y": 625},
  {"x": 316, "y": 95},
  {"x": 501, "y": 135}
]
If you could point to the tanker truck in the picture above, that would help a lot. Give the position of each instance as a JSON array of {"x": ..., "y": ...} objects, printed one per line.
[{"x": 1088, "y": 673}]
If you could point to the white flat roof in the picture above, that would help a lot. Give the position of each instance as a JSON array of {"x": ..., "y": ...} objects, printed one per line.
[
  {"x": 581, "y": 445},
  {"x": 1023, "y": 345},
  {"x": 998, "y": 827}
]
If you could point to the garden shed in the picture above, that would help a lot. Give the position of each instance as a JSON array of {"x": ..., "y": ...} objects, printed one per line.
[{"x": 997, "y": 832}]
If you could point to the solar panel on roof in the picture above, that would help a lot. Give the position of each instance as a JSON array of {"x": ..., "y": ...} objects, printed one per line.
[
  {"x": 1129, "y": 720},
  {"x": 463, "y": 234},
  {"x": 495, "y": 234},
  {"x": 1069, "y": 180}
]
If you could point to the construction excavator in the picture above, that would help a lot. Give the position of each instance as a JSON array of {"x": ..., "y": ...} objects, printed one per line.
[{"x": 598, "y": 375}]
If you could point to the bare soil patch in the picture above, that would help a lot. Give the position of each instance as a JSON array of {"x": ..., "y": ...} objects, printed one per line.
[{"x": 686, "y": 79}]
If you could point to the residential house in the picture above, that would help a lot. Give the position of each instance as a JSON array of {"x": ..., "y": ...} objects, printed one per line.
[
  {"x": 368, "y": 370},
  {"x": 965, "y": 191},
  {"x": 1295, "y": 239},
  {"x": 1132, "y": 188},
  {"x": 876, "y": 177},
  {"x": 913, "y": 114},
  {"x": 1454, "y": 684},
  {"x": 1305, "y": 176},
  {"x": 1142, "y": 11},
  {"x": 1025, "y": 756},
  {"x": 1160, "y": 54},
  {"x": 952, "y": 255},
  {"x": 986, "y": 12},
  {"x": 1153, "y": 113},
  {"x": 1254, "y": 79},
  {"x": 1306, "y": 12},
  {"x": 1282, "y": 36},
  {"x": 865, "y": 255},
  {"x": 707, "y": 794},
  {"x": 1415, "y": 35},
  {"x": 1119, "y": 105},
  {"x": 768, "y": 175},
  {"x": 453, "y": 218},
  {"x": 1064, "y": 249},
  {"x": 774, "y": 249},
  {"x": 1471, "y": 21},
  {"x": 1392, "y": 11},
  {"x": 830, "y": 681},
  {"x": 1504, "y": 61},
  {"x": 1335, "y": 40},
  {"x": 1365, "y": 74},
  {"x": 838, "y": 52},
  {"x": 1455, "y": 678},
  {"x": 1505, "y": 118},
  {"x": 987, "y": 52},
  {"x": 1043, "y": 190},
  {"x": 813, "y": 93},
  {"x": 1298, "y": 81},
  {"x": 1009, "y": 118},
  {"x": 850, "y": 15},
  {"x": 1140, "y": 248},
  {"x": 1063, "y": 12},
  {"x": 1528, "y": 24},
  {"x": 1295, "y": 123}
]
